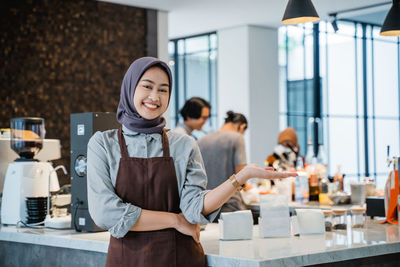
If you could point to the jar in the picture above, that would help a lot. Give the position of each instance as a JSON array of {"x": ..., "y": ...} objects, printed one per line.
[
  {"x": 328, "y": 220},
  {"x": 357, "y": 217},
  {"x": 339, "y": 221}
]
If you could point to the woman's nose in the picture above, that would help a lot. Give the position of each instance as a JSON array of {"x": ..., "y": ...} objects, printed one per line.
[{"x": 154, "y": 96}]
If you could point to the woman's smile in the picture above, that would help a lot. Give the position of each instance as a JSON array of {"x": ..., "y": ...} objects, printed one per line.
[{"x": 151, "y": 106}]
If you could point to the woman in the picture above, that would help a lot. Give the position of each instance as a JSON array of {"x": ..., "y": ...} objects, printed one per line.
[
  {"x": 195, "y": 113},
  {"x": 285, "y": 154},
  {"x": 224, "y": 153},
  {"x": 146, "y": 186}
]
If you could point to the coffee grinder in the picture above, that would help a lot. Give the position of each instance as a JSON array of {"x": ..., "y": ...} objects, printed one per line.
[{"x": 26, "y": 177}]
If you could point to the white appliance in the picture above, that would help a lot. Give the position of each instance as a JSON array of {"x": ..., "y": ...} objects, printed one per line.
[
  {"x": 51, "y": 151},
  {"x": 25, "y": 179},
  {"x": 26, "y": 176}
]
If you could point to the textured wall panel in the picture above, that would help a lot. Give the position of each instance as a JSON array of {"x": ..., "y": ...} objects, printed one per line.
[{"x": 61, "y": 57}]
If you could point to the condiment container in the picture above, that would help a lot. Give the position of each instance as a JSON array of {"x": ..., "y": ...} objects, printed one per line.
[
  {"x": 339, "y": 221},
  {"x": 357, "y": 217},
  {"x": 328, "y": 220}
]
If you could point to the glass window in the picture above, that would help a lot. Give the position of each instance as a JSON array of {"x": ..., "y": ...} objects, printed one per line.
[
  {"x": 385, "y": 72},
  {"x": 359, "y": 74},
  {"x": 194, "y": 69},
  {"x": 341, "y": 83},
  {"x": 342, "y": 143}
]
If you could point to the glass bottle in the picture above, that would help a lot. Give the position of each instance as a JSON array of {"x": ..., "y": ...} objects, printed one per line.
[
  {"x": 323, "y": 192},
  {"x": 338, "y": 178},
  {"x": 321, "y": 156},
  {"x": 310, "y": 153},
  {"x": 313, "y": 181}
]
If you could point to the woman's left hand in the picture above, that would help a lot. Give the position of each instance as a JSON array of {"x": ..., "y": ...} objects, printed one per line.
[
  {"x": 186, "y": 228},
  {"x": 253, "y": 171}
]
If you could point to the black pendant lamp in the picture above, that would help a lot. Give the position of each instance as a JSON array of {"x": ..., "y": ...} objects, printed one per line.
[
  {"x": 391, "y": 26},
  {"x": 299, "y": 11}
]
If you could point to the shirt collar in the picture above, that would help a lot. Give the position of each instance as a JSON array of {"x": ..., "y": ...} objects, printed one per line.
[
  {"x": 128, "y": 132},
  {"x": 184, "y": 126}
]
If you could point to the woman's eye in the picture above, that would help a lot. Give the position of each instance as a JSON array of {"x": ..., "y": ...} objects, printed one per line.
[
  {"x": 162, "y": 90},
  {"x": 147, "y": 86}
]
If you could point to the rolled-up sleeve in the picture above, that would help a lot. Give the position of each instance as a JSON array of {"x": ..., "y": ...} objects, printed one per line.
[
  {"x": 107, "y": 210},
  {"x": 194, "y": 189}
]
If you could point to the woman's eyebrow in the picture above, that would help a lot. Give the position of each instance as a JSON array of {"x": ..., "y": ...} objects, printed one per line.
[
  {"x": 147, "y": 80},
  {"x": 150, "y": 81}
]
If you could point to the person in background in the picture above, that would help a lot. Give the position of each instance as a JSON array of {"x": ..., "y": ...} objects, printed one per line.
[
  {"x": 224, "y": 153},
  {"x": 286, "y": 152},
  {"x": 147, "y": 185},
  {"x": 195, "y": 113}
]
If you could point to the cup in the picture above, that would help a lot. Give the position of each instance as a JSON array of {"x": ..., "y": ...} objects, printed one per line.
[{"x": 357, "y": 193}]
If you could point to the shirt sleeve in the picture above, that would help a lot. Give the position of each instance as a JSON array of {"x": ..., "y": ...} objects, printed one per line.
[
  {"x": 240, "y": 152},
  {"x": 107, "y": 210},
  {"x": 193, "y": 192}
]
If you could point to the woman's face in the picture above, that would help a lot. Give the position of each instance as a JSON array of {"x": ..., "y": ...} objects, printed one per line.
[{"x": 152, "y": 93}]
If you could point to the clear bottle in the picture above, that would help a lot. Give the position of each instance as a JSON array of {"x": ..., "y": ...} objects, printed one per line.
[
  {"x": 301, "y": 192},
  {"x": 357, "y": 217},
  {"x": 338, "y": 178},
  {"x": 313, "y": 181},
  {"x": 310, "y": 153},
  {"x": 321, "y": 156},
  {"x": 299, "y": 164},
  {"x": 339, "y": 219},
  {"x": 323, "y": 192}
]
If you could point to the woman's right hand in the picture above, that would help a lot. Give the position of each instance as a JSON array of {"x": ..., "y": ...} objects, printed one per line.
[{"x": 186, "y": 228}]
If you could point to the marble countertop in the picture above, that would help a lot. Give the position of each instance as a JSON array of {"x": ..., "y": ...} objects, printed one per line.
[
  {"x": 373, "y": 240},
  {"x": 97, "y": 242}
]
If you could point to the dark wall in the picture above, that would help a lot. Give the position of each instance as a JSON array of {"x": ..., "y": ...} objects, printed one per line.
[{"x": 60, "y": 57}]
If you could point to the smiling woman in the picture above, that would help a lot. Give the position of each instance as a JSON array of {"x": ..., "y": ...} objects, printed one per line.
[{"x": 146, "y": 185}]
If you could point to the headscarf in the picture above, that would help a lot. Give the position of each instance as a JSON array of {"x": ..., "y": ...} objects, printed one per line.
[{"x": 127, "y": 114}]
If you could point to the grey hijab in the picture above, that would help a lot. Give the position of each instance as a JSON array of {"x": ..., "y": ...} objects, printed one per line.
[{"x": 127, "y": 113}]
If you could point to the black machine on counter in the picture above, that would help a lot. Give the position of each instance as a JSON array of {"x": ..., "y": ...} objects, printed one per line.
[{"x": 83, "y": 126}]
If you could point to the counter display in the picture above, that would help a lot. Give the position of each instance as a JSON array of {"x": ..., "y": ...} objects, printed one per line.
[{"x": 336, "y": 246}]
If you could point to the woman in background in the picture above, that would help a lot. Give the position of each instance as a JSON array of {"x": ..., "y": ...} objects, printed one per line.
[{"x": 286, "y": 152}]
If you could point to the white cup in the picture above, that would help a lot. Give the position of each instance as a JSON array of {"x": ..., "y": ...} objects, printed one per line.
[{"x": 357, "y": 193}]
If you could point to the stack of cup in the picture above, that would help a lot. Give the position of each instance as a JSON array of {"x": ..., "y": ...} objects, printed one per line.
[{"x": 36, "y": 209}]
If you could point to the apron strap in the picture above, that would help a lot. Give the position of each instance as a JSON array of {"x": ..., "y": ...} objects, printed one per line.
[
  {"x": 165, "y": 143},
  {"x": 122, "y": 145}
]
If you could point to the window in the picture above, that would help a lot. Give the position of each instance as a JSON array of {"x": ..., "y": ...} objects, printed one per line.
[
  {"x": 193, "y": 61},
  {"x": 359, "y": 77}
]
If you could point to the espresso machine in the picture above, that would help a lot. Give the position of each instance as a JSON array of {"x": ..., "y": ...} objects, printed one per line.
[
  {"x": 26, "y": 177},
  {"x": 83, "y": 126}
]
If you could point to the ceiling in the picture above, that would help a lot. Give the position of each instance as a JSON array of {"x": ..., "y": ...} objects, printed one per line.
[{"x": 190, "y": 17}]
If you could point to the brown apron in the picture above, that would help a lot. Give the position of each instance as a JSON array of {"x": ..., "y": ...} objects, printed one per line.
[{"x": 151, "y": 183}]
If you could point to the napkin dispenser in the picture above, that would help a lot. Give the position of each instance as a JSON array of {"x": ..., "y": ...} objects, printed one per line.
[
  {"x": 236, "y": 225},
  {"x": 274, "y": 220},
  {"x": 310, "y": 222}
]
